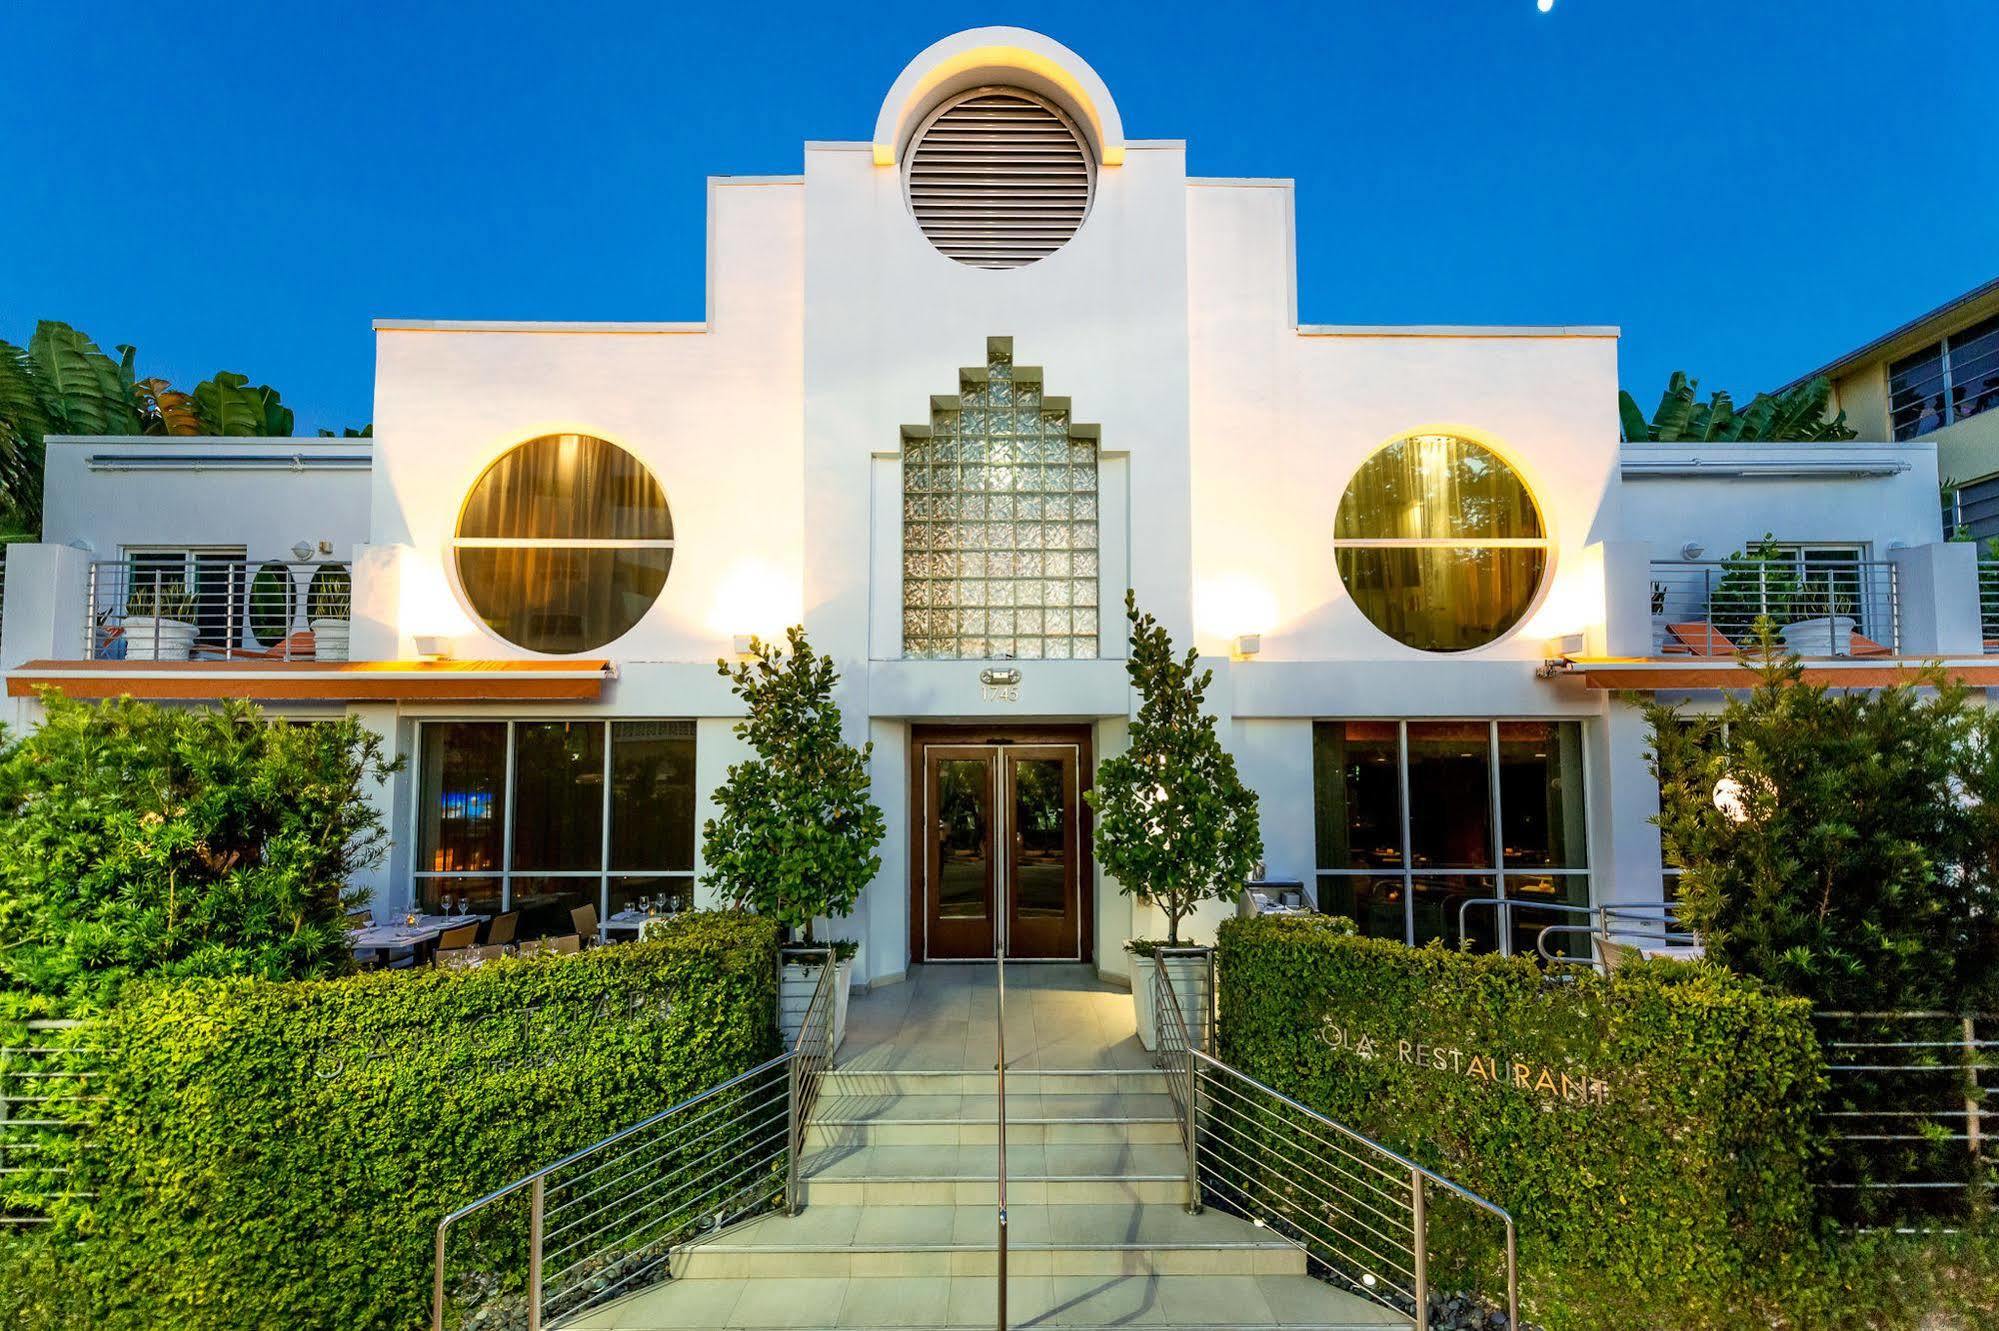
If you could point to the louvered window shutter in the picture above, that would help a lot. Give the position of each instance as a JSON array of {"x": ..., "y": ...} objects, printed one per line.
[{"x": 999, "y": 178}]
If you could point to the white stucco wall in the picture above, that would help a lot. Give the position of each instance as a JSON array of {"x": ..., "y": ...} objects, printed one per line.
[{"x": 206, "y": 494}]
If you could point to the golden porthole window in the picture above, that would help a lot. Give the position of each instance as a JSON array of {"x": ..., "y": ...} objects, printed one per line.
[
  {"x": 564, "y": 544},
  {"x": 1440, "y": 543}
]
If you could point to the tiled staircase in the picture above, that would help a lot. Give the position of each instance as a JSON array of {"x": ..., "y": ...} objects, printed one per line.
[{"x": 899, "y": 1220}]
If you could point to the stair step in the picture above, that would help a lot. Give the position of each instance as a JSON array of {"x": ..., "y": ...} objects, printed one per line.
[
  {"x": 852, "y": 1121},
  {"x": 960, "y": 1240},
  {"x": 1198, "y": 1303},
  {"x": 963, "y": 1175},
  {"x": 912, "y": 1081}
]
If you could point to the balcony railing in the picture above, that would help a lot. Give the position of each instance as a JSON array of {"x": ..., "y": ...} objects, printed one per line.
[
  {"x": 199, "y": 607},
  {"x": 1821, "y": 603},
  {"x": 1988, "y": 603}
]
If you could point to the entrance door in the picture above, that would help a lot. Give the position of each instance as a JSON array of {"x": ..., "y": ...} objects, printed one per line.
[{"x": 1002, "y": 853}]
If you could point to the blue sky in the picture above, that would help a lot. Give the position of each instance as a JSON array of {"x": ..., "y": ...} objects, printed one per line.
[{"x": 1747, "y": 187}]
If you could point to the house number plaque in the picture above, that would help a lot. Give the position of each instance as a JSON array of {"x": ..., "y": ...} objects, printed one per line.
[{"x": 999, "y": 685}]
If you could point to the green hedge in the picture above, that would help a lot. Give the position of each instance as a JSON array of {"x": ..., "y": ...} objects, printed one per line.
[
  {"x": 279, "y": 1154},
  {"x": 1657, "y": 1158}
]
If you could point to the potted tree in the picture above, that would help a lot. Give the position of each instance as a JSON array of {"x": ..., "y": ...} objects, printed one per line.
[
  {"x": 159, "y": 621},
  {"x": 798, "y": 828},
  {"x": 329, "y": 608},
  {"x": 1175, "y": 824}
]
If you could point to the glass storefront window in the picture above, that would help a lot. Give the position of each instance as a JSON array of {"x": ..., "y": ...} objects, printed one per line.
[
  {"x": 1439, "y": 543},
  {"x": 1485, "y": 808},
  {"x": 517, "y": 816}
]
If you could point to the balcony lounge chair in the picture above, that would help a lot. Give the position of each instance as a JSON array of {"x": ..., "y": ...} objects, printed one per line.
[
  {"x": 299, "y": 646},
  {"x": 1697, "y": 639},
  {"x": 1869, "y": 647}
]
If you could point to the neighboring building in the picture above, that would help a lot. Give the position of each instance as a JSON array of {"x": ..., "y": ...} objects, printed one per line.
[
  {"x": 958, "y": 386},
  {"x": 1935, "y": 379}
]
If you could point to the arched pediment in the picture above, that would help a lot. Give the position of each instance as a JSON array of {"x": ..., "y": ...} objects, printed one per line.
[{"x": 1006, "y": 56}]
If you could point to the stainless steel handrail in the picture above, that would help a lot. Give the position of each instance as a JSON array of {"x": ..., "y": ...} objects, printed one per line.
[
  {"x": 1372, "y": 1187},
  {"x": 999, "y": 1076},
  {"x": 1644, "y": 920},
  {"x": 739, "y": 1141}
]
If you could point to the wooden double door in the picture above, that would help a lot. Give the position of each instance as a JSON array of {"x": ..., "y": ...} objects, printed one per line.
[{"x": 1002, "y": 848}]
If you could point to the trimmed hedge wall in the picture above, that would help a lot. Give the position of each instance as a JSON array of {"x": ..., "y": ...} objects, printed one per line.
[
  {"x": 279, "y": 1154},
  {"x": 1651, "y": 1132}
]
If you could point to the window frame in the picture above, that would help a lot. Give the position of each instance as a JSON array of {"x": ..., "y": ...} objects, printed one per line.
[
  {"x": 505, "y": 873},
  {"x": 1946, "y": 380},
  {"x": 1496, "y": 869}
]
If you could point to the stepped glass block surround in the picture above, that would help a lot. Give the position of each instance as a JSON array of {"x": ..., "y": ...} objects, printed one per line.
[{"x": 1000, "y": 526}]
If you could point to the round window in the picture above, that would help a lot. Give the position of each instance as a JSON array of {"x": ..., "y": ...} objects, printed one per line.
[
  {"x": 564, "y": 544},
  {"x": 1439, "y": 543}
]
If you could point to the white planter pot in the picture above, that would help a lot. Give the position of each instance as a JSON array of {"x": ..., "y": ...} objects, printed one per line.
[
  {"x": 1828, "y": 635},
  {"x": 796, "y": 982},
  {"x": 329, "y": 639},
  {"x": 1190, "y": 982},
  {"x": 150, "y": 638}
]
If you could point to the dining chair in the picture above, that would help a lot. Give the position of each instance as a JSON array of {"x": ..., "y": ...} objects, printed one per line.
[
  {"x": 461, "y": 935},
  {"x": 583, "y": 919},
  {"x": 450, "y": 958},
  {"x": 501, "y": 931},
  {"x": 566, "y": 943}
]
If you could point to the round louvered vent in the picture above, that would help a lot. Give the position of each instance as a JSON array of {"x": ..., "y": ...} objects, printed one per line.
[{"x": 998, "y": 178}]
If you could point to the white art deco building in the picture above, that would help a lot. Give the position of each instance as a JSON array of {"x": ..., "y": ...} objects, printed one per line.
[{"x": 959, "y": 384}]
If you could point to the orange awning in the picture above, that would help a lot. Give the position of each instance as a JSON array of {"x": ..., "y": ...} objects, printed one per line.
[
  {"x": 1654, "y": 674},
  {"x": 318, "y": 681}
]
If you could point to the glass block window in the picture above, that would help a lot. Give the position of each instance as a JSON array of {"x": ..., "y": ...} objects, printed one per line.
[{"x": 999, "y": 531}]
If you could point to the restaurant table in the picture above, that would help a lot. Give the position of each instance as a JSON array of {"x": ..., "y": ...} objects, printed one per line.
[
  {"x": 419, "y": 937},
  {"x": 629, "y": 922}
]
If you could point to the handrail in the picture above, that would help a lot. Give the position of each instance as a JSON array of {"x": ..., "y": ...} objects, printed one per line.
[
  {"x": 999, "y": 1073},
  {"x": 644, "y": 1197},
  {"x": 1641, "y": 919},
  {"x": 1356, "y": 1177}
]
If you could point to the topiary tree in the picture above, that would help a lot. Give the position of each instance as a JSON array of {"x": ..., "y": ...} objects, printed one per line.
[
  {"x": 798, "y": 830},
  {"x": 1175, "y": 824},
  {"x": 137, "y": 839},
  {"x": 1853, "y": 855}
]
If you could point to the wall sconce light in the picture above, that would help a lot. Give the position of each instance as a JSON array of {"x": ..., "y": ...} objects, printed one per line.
[
  {"x": 433, "y": 646},
  {"x": 1246, "y": 645},
  {"x": 302, "y": 551},
  {"x": 1692, "y": 550}
]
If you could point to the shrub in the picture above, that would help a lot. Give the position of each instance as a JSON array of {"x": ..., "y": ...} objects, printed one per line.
[
  {"x": 1857, "y": 864},
  {"x": 272, "y": 1154},
  {"x": 1660, "y": 1169},
  {"x": 799, "y": 826},
  {"x": 137, "y": 839},
  {"x": 1175, "y": 824}
]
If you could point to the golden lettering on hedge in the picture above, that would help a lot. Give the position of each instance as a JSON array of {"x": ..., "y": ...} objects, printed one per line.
[{"x": 1565, "y": 1086}]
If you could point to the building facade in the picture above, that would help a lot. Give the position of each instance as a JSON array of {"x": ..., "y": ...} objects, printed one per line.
[
  {"x": 958, "y": 387},
  {"x": 1935, "y": 380}
]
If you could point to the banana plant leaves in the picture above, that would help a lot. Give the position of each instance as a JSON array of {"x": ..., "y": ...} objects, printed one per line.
[{"x": 1681, "y": 416}]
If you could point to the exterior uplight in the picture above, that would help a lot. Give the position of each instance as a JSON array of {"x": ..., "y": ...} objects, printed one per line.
[{"x": 1732, "y": 798}]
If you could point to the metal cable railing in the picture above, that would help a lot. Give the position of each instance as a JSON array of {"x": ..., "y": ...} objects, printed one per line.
[
  {"x": 44, "y": 1087},
  {"x": 1988, "y": 603},
  {"x": 1357, "y": 1209},
  {"x": 1821, "y": 602},
  {"x": 605, "y": 1221},
  {"x": 180, "y": 605},
  {"x": 1905, "y": 1112}
]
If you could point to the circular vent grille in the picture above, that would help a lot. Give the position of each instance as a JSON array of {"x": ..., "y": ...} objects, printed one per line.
[{"x": 999, "y": 178}]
